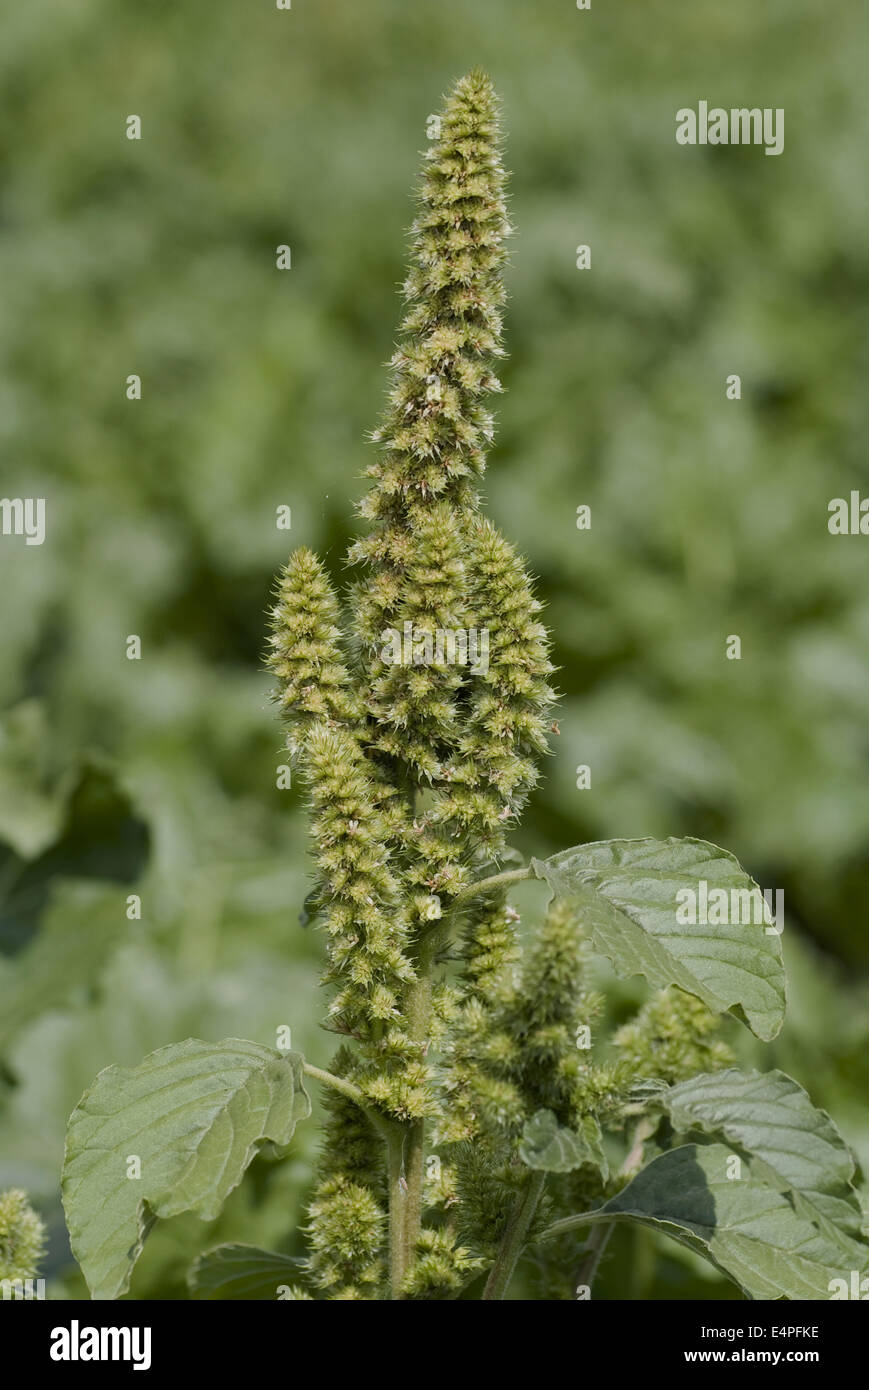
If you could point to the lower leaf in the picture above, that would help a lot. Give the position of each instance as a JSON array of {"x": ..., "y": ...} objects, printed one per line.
[
  {"x": 174, "y": 1134},
  {"x": 727, "y": 1209},
  {"x": 243, "y": 1272}
]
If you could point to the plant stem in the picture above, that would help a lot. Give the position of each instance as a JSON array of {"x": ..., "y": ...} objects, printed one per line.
[
  {"x": 397, "y": 1212},
  {"x": 597, "y": 1243},
  {"x": 417, "y": 1014},
  {"x": 485, "y": 885},
  {"x": 337, "y": 1083},
  {"x": 575, "y": 1223},
  {"x": 513, "y": 1241},
  {"x": 600, "y": 1234}
]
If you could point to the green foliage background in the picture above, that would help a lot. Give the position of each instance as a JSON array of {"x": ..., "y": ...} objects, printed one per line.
[{"x": 304, "y": 127}]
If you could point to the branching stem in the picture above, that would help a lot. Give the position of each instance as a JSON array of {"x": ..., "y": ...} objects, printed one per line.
[
  {"x": 597, "y": 1243},
  {"x": 380, "y": 1122},
  {"x": 398, "y": 1211},
  {"x": 514, "y": 1238},
  {"x": 485, "y": 885}
]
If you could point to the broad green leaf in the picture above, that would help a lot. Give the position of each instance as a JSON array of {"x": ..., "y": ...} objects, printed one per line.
[
  {"x": 626, "y": 895},
  {"x": 549, "y": 1146},
  {"x": 746, "y": 1226},
  {"x": 241, "y": 1272},
  {"x": 770, "y": 1116},
  {"x": 194, "y": 1114},
  {"x": 83, "y": 925}
]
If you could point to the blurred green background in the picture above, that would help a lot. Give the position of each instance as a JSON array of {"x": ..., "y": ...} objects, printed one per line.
[{"x": 157, "y": 257}]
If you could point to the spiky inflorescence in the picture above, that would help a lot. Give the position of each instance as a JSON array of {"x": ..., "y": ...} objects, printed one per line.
[
  {"x": 22, "y": 1236},
  {"x": 530, "y": 1051},
  {"x": 546, "y": 1014},
  {"x": 423, "y": 501},
  {"x": 507, "y": 728},
  {"x": 476, "y": 1095},
  {"x": 416, "y": 768},
  {"x": 673, "y": 1036},
  {"x": 314, "y": 685},
  {"x": 414, "y": 685},
  {"x": 526, "y": 1044},
  {"x": 441, "y": 1267},
  {"x": 364, "y": 920},
  {"x": 348, "y": 1264},
  {"x": 346, "y": 1236},
  {"x": 436, "y": 428},
  {"x": 305, "y": 652},
  {"x": 490, "y": 950}
]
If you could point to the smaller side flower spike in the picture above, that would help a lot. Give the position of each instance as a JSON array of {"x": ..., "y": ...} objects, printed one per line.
[
  {"x": 507, "y": 726},
  {"x": 348, "y": 1209},
  {"x": 364, "y": 919},
  {"x": 305, "y": 653},
  {"x": 673, "y": 1036},
  {"x": 346, "y": 1235},
  {"x": 314, "y": 683}
]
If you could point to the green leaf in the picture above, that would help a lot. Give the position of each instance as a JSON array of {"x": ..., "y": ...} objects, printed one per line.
[
  {"x": 625, "y": 893},
  {"x": 548, "y": 1146},
  {"x": 747, "y": 1227},
  {"x": 771, "y": 1117},
  {"x": 194, "y": 1114},
  {"x": 241, "y": 1272}
]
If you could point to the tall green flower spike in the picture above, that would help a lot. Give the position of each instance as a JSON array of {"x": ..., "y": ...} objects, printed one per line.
[
  {"x": 305, "y": 652},
  {"x": 418, "y": 754},
  {"x": 436, "y": 428},
  {"x": 363, "y": 915},
  {"x": 507, "y": 727}
]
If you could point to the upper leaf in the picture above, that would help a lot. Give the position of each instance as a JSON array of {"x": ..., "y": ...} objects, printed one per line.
[
  {"x": 194, "y": 1114},
  {"x": 627, "y": 894}
]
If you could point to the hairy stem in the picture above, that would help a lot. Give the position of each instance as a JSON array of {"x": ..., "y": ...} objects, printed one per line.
[
  {"x": 514, "y": 1238},
  {"x": 576, "y": 1223},
  {"x": 485, "y": 885},
  {"x": 398, "y": 1256},
  {"x": 600, "y": 1234},
  {"x": 417, "y": 1013},
  {"x": 597, "y": 1243},
  {"x": 337, "y": 1083}
]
